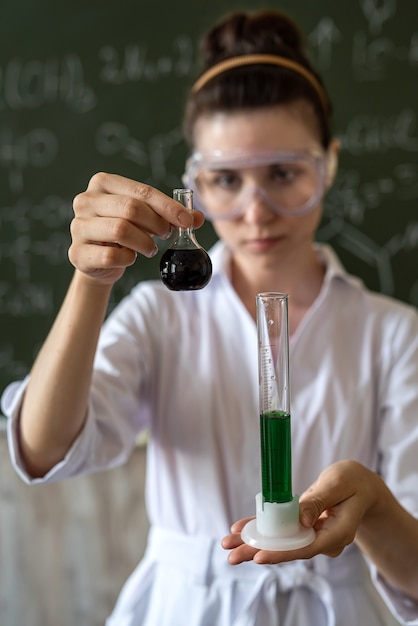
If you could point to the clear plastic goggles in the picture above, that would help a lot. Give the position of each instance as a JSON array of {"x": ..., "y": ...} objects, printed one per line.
[{"x": 224, "y": 184}]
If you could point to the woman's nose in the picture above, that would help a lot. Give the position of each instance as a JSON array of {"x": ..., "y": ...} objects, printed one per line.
[{"x": 258, "y": 208}]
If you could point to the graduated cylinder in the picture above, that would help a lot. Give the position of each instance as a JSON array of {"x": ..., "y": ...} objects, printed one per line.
[
  {"x": 276, "y": 526},
  {"x": 275, "y": 435}
]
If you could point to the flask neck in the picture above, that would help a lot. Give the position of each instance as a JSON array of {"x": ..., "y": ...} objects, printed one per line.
[
  {"x": 185, "y": 197},
  {"x": 185, "y": 237}
]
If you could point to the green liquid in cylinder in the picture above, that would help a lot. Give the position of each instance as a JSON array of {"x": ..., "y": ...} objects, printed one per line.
[{"x": 276, "y": 456}]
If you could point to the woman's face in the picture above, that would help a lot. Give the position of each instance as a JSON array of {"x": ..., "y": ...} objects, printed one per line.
[{"x": 256, "y": 229}]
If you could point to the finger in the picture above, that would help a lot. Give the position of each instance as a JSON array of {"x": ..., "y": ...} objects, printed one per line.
[
  {"x": 124, "y": 208},
  {"x": 198, "y": 219},
  {"x": 111, "y": 232},
  {"x": 241, "y": 554},
  {"x": 168, "y": 208},
  {"x": 232, "y": 541},
  {"x": 94, "y": 258},
  {"x": 239, "y": 525},
  {"x": 270, "y": 557}
]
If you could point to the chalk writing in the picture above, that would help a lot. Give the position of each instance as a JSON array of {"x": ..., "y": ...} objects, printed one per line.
[
  {"x": 75, "y": 104},
  {"x": 36, "y": 149},
  {"x": 9, "y": 361},
  {"x": 408, "y": 240},
  {"x": 407, "y": 176},
  {"x": 323, "y": 38},
  {"x": 362, "y": 247},
  {"x": 133, "y": 63},
  {"x": 52, "y": 212},
  {"x": 32, "y": 84},
  {"x": 27, "y": 298},
  {"x": 368, "y": 133},
  {"x": 114, "y": 138},
  {"x": 378, "y": 12},
  {"x": 371, "y": 58}
]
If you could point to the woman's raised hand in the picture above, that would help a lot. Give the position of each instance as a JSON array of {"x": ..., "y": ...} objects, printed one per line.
[{"x": 117, "y": 218}]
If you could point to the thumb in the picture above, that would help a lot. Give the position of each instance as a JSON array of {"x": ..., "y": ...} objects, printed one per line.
[
  {"x": 310, "y": 508},
  {"x": 314, "y": 501},
  {"x": 333, "y": 486}
]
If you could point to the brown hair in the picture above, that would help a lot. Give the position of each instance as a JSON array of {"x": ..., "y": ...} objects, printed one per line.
[{"x": 256, "y": 85}]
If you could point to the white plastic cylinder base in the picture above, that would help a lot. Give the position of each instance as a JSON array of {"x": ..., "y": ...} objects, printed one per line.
[{"x": 276, "y": 526}]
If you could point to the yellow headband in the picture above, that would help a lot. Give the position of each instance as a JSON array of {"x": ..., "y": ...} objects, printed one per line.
[{"x": 268, "y": 59}]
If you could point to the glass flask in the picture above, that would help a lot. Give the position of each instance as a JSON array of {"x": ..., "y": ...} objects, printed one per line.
[{"x": 185, "y": 265}]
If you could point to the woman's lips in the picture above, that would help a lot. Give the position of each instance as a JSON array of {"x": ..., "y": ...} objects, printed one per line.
[{"x": 263, "y": 244}]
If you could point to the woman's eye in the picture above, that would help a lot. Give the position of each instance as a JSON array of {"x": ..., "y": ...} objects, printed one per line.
[
  {"x": 284, "y": 174},
  {"x": 225, "y": 179}
]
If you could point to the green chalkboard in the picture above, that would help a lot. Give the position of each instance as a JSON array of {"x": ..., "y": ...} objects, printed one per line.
[{"x": 93, "y": 85}]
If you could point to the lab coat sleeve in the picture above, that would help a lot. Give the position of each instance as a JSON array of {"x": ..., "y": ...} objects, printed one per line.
[
  {"x": 402, "y": 607},
  {"x": 398, "y": 442},
  {"x": 72, "y": 463},
  {"x": 118, "y": 408}
]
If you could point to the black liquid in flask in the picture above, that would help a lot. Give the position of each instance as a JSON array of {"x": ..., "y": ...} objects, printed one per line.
[{"x": 185, "y": 265}]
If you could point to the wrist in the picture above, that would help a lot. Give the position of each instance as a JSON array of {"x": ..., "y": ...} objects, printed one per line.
[
  {"x": 378, "y": 514},
  {"x": 95, "y": 284}
]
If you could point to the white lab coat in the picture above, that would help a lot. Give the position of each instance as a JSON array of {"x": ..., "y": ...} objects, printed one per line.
[{"x": 184, "y": 365}]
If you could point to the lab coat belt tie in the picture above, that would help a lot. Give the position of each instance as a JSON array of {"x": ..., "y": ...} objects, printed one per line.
[
  {"x": 284, "y": 578},
  {"x": 205, "y": 562}
]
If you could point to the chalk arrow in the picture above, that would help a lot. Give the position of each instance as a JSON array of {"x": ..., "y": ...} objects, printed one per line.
[{"x": 323, "y": 37}]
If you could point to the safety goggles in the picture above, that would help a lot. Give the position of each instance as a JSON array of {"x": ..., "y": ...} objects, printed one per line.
[{"x": 224, "y": 184}]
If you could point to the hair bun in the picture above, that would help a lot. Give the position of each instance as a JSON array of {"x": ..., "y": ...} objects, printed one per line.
[{"x": 240, "y": 32}]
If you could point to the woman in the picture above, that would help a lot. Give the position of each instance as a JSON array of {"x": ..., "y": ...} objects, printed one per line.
[{"x": 184, "y": 364}]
